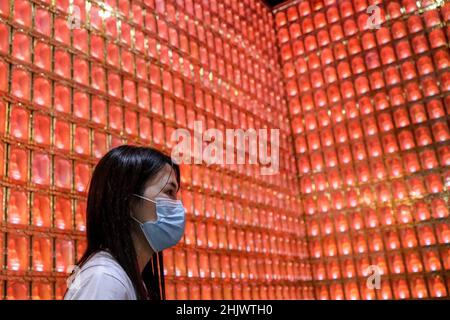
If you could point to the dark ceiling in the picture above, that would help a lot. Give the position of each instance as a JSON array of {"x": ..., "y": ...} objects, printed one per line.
[{"x": 273, "y": 3}]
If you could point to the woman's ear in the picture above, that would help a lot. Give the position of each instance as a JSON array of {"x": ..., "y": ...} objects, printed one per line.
[{"x": 134, "y": 206}]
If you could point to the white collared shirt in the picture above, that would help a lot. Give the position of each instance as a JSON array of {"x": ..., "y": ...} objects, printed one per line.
[{"x": 101, "y": 278}]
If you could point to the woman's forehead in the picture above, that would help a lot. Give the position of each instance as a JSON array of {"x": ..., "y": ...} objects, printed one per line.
[{"x": 164, "y": 176}]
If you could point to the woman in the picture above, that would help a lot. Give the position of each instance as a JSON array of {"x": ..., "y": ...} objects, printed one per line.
[{"x": 132, "y": 215}]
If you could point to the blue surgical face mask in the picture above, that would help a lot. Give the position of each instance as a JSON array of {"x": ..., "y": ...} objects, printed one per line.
[{"x": 168, "y": 228}]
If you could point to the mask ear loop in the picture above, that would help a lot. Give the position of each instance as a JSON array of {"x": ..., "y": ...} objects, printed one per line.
[
  {"x": 132, "y": 217},
  {"x": 144, "y": 198}
]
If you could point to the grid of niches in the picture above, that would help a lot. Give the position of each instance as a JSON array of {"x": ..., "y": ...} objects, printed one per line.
[
  {"x": 67, "y": 95},
  {"x": 369, "y": 111}
]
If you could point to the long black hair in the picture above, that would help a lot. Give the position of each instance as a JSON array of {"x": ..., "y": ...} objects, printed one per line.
[{"x": 122, "y": 172}]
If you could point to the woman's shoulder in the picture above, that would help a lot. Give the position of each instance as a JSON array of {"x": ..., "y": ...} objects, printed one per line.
[
  {"x": 101, "y": 277},
  {"x": 103, "y": 262},
  {"x": 99, "y": 258}
]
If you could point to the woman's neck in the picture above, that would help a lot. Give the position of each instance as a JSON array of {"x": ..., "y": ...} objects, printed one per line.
[
  {"x": 143, "y": 259},
  {"x": 143, "y": 252}
]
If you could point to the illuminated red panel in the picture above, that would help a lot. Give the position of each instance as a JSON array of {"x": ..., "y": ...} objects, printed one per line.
[
  {"x": 17, "y": 252},
  {"x": 62, "y": 173},
  {"x": 41, "y": 129},
  {"x": 42, "y": 290},
  {"x": 18, "y": 164},
  {"x": 80, "y": 216},
  {"x": 22, "y": 47},
  {"x": 20, "y": 86},
  {"x": 17, "y": 290},
  {"x": 41, "y": 163},
  {"x": 42, "y": 254},
  {"x": 63, "y": 213},
  {"x": 41, "y": 214},
  {"x": 82, "y": 173},
  {"x": 64, "y": 251},
  {"x": 18, "y": 207},
  {"x": 346, "y": 101}
]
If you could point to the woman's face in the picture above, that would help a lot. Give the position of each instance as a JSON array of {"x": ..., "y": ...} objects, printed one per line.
[{"x": 163, "y": 185}]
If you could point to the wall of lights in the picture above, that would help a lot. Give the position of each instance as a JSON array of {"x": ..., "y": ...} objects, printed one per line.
[
  {"x": 78, "y": 77},
  {"x": 369, "y": 109},
  {"x": 364, "y": 140}
]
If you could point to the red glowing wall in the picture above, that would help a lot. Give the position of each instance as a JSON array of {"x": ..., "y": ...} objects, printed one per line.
[
  {"x": 364, "y": 153},
  {"x": 132, "y": 72},
  {"x": 369, "y": 109}
]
